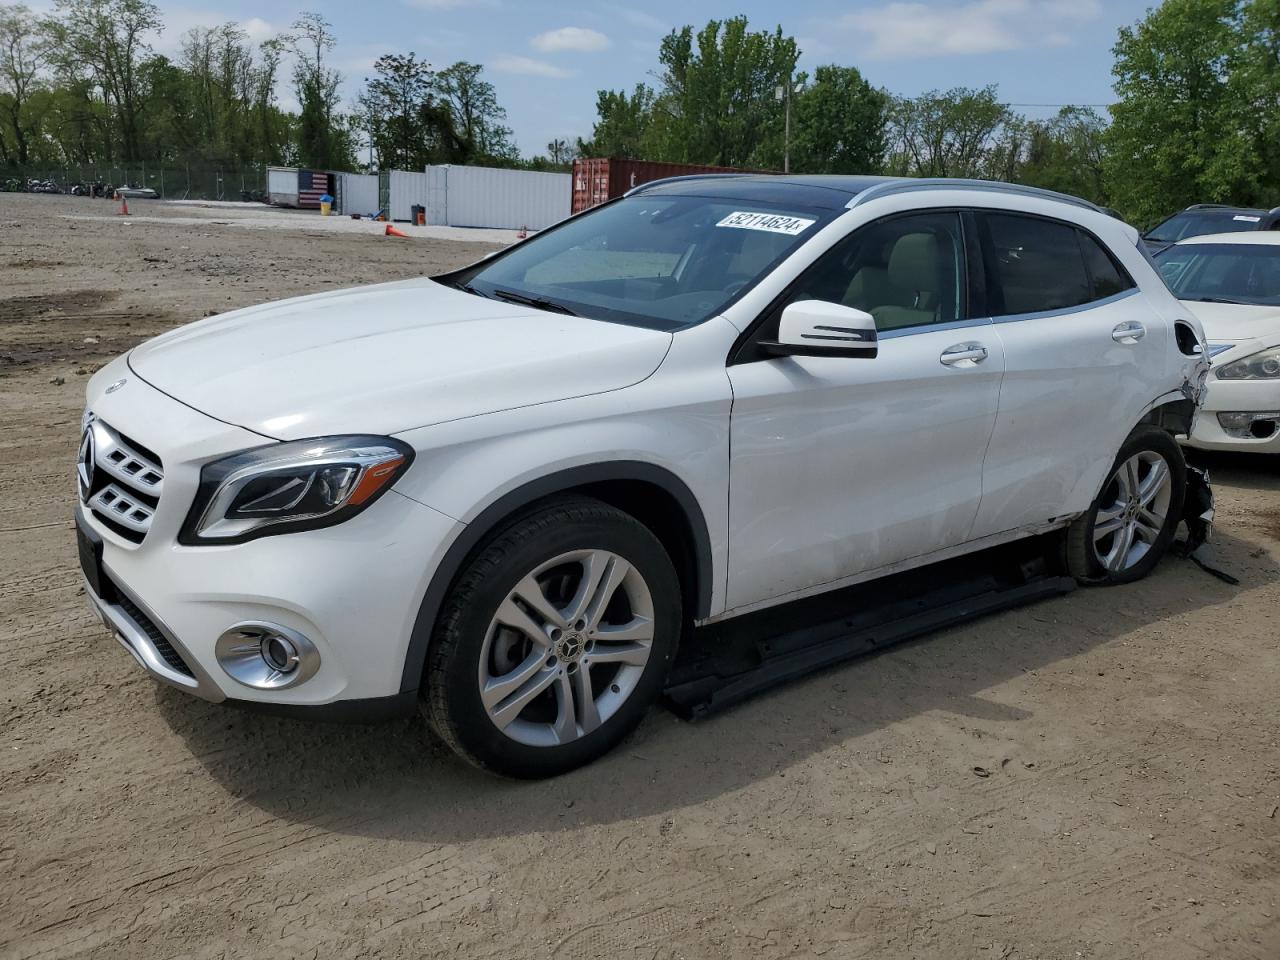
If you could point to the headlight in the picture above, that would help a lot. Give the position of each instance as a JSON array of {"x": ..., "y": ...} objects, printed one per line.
[
  {"x": 1263, "y": 365},
  {"x": 292, "y": 486}
]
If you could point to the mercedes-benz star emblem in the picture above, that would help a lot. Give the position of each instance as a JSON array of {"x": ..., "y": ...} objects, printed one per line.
[{"x": 117, "y": 385}]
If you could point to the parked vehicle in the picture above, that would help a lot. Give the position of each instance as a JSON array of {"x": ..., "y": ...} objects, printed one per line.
[
  {"x": 504, "y": 492},
  {"x": 136, "y": 193},
  {"x": 1232, "y": 281},
  {"x": 1205, "y": 218}
]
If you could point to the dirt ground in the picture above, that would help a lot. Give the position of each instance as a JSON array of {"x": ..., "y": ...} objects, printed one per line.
[{"x": 1129, "y": 738}]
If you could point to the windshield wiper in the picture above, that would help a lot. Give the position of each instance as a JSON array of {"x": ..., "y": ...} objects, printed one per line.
[
  {"x": 540, "y": 302},
  {"x": 465, "y": 288},
  {"x": 1218, "y": 300}
]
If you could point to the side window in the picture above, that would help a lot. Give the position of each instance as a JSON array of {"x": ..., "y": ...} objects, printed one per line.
[
  {"x": 905, "y": 271},
  {"x": 1033, "y": 265},
  {"x": 1108, "y": 278}
]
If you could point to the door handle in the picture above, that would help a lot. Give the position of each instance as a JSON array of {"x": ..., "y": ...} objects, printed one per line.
[
  {"x": 1131, "y": 331},
  {"x": 963, "y": 355}
]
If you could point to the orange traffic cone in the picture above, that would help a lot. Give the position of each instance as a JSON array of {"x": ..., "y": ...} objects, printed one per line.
[
  {"x": 124, "y": 206},
  {"x": 524, "y": 232},
  {"x": 393, "y": 232}
]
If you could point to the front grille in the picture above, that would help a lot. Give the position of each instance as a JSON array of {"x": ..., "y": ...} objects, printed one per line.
[
  {"x": 163, "y": 647},
  {"x": 120, "y": 480}
]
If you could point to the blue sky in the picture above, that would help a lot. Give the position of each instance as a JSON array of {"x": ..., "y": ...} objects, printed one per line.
[{"x": 548, "y": 59}]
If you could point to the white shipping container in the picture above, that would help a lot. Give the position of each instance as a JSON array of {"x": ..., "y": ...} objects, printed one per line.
[
  {"x": 498, "y": 198},
  {"x": 358, "y": 193},
  {"x": 282, "y": 186},
  {"x": 407, "y": 189}
]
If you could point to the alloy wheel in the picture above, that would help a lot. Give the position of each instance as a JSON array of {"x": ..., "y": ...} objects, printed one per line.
[
  {"x": 1133, "y": 511},
  {"x": 566, "y": 647}
]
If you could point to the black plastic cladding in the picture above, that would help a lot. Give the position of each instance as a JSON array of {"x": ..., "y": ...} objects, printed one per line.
[{"x": 563, "y": 482}]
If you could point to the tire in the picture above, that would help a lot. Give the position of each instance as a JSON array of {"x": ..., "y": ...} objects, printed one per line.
[
  {"x": 506, "y": 664},
  {"x": 1130, "y": 524}
]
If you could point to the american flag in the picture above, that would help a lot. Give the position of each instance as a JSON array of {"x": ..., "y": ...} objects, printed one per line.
[{"x": 312, "y": 185}]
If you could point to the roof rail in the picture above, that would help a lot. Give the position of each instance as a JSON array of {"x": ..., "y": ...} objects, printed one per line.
[
  {"x": 640, "y": 187},
  {"x": 1215, "y": 206},
  {"x": 911, "y": 184}
]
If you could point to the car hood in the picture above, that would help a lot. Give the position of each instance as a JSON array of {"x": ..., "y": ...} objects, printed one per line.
[
  {"x": 1229, "y": 322},
  {"x": 387, "y": 358}
]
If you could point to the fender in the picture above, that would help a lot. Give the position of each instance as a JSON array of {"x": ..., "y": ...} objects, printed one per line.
[{"x": 508, "y": 504}]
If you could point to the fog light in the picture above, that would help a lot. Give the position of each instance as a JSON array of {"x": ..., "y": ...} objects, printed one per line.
[
  {"x": 1243, "y": 424},
  {"x": 266, "y": 656},
  {"x": 279, "y": 653}
]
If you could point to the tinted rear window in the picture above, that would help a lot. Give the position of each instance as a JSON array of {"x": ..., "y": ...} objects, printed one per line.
[
  {"x": 1035, "y": 265},
  {"x": 1108, "y": 278}
]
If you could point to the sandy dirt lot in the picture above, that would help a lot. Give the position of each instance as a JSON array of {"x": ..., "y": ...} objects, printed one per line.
[{"x": 1131, "y": 736}]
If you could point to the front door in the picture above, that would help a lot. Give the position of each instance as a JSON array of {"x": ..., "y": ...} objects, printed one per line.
[{"x": 843, "y": 465}]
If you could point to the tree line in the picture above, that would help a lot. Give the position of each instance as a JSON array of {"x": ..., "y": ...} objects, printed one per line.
[
  {"x": 84, "y": 86},
  {"x": 1197, "y": 85},
  {"x": 1197, "y": 117}
]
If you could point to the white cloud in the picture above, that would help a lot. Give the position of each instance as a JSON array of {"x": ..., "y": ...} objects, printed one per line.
[
  {"x": 178, "y": 20},
  {"x": 258, "y": 29},
  {"x": 579, "y": 39},
  {"x": 528, "y": 66},
  {"x": 444, "y": 4},
  {"x": 913, "y": 30},
  {"x": 638, "y": 18}
]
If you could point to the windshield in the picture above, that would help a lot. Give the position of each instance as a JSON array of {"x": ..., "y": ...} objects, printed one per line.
[
  {"x": 1197, "y": 223},
  {"x": 1223, "y": 272},
  {"x": 663, "y": 262}
]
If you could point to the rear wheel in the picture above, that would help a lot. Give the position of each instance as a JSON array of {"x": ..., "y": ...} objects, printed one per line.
[
  {"x": 555, "y": 640},
  {"x": 1131, "y": 523}
]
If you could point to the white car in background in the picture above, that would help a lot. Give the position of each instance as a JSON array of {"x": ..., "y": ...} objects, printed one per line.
[
  {"x": 1232, "y": 283},
  {"x": 505, "y": 493}
]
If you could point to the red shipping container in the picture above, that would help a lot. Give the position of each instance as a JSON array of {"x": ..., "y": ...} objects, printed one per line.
[{"x": 598, "y": 179}]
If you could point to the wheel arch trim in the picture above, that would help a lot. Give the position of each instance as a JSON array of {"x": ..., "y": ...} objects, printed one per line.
[{"x": 561, "y": 481}]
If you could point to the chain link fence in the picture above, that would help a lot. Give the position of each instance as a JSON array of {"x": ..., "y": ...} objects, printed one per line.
[{"x": 169, "y": 181}]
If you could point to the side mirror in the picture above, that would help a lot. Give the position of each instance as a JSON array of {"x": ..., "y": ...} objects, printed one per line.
[{"x": 816, "y": 328}]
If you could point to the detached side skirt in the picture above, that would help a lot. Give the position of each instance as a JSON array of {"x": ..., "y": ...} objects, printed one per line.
[{"x": 726, "y": 663}]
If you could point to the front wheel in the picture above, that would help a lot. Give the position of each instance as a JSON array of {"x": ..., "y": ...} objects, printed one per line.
[
  {"x": 554, "y": 640},
  {"x": 1131, "y": 523}
]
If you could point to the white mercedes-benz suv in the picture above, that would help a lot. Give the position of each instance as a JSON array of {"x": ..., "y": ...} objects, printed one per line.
[{"x": 503, "y": 494}]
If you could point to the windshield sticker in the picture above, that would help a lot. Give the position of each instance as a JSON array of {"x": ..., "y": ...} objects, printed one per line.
[
  {"x": 769, "y": 222},
  {"x": 1241, "y": 216}
]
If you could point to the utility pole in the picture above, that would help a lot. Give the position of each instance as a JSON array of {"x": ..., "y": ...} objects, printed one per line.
[{"x": 783, "y": 93}]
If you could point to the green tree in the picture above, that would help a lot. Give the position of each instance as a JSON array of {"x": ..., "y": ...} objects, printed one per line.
[
  {"x": 1181, "y": 131},
  {"x": 1254, "y": 90},
  {"x": 23, "y": 52},
  {"x": 717, "y": 102},
  {"x": 839, "y": 124},
  {"x": 324, "y": 138},
  {"x": 400, "y": 112},
  {"x": 1067, "y": 154},
  {"x": 106, "y": 42},
  {"x": 951, "y": 134},
  {"x": 479, "y": 132},
  {"x": 622, "y": 126}
]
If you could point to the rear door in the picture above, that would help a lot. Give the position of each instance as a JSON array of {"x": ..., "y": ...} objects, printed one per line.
[
  {"x": 1079, "y": 342},
  {"x": 841, "y": 465}
]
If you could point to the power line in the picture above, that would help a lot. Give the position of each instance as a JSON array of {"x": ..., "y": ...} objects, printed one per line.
[{"x": 1060, "y": 104}]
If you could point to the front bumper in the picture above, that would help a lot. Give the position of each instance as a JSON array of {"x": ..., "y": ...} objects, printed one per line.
[
  {"x": 353, "y": 590},
  {"x": 1224, "y": 396},
  {"x": 148, "y": 641}
]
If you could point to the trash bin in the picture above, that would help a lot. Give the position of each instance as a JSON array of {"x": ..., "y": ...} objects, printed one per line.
[
  {"x": 326, "y": 205},
  {"x": 418, "y": 214}
]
